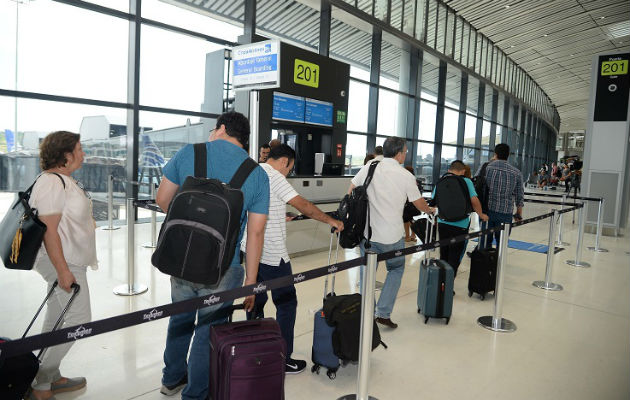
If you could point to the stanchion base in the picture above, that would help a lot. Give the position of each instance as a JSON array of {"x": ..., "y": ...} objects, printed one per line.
[
  {"x": 543, "y": 285},
  {"x": 127, "y": 290},
  {"x": 562, "y": 244},
  {"x": 598, "y": 249},
  {"x": 505, "y": 326},
  {"x": 353, "y": 397},
  {"x": 581, "y": 264},
  {"x": 106, "y": 228},
  {"x": 149, "y": 246}
]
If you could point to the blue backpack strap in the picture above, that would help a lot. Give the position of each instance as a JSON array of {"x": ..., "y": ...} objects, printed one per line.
[
  {"x": 201, "y": 160},
  {"x": 241, "y": 174}
]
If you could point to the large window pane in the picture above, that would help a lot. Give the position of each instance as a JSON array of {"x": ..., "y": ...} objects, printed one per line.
[
  {"x": 340, "y": 35},
  {"x": 396, "y": 14},
  {"x": 172, "y": 67},
  {"x": 451, "y": 122},
  {"x": 430, "y": 77},
  {"x": 358, "y": 99},
  {"x": 485, "y": 134},
  {"x": 390, "y": 123},
  {"x": 356, "y": 150},
  {"x": 470, "y": 131},
  {"x": 424, "y": 161},
  {"x": 410, "y": 11},
  {"x": 487, "y": 107},
  {"x": 427, "y": 121},
  {"x": 469, "y": 158},
  {"x": 394, "y": 63},
  {"x": 473, "y": 95},
  {"x": 63, "y": 50},
  {"x": 420, "y": 23},
  {"x": 440, "y": 34},
  {"x": 453, "y": 86},
  {"x": 449, "y": 154},
  {"x": 431, "y": 28},
  {"x": 450, "y": 26}
]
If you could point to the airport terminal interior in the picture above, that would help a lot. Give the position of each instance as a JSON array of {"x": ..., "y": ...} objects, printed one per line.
[{"x": 138, "y": 80}]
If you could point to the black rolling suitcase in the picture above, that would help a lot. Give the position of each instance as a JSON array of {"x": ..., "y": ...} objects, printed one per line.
[
  {"x": 483, "y": 271},
  {"x": 17, "y": 372}
]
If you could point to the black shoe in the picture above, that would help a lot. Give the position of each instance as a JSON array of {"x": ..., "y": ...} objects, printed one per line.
[
  {"x": 174, "y": 388},
  {"x": 294, "y": 366},
  {"x": 387, "y": 322}
]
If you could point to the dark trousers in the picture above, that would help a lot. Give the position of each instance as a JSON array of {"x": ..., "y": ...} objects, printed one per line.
[
  {"x": 494, "y": 219},
  {"x": 284, "y": 298},
  {"x": 452, "y": 253}
]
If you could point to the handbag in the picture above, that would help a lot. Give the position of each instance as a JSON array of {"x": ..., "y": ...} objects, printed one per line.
[{"x": 22, "y": 232}]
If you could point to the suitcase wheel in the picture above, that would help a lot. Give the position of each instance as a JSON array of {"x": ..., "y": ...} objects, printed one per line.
[
  {"x": 419, "y": 311},
  {"x": 483, "y": 297},
  {"x": 315, "y": 369},
  {"x": 447, "y": 319},
  {"x": 426, "y": 319},
  {"x": 331, "y": 374},
  {"x": 470, "y": 292}
]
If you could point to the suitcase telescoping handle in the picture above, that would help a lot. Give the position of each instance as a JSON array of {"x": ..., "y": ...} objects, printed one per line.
[
  {"x": 332, "y": 288},
  {"x": 75, "y": 290},
  {"x": 431, "y": 221}
]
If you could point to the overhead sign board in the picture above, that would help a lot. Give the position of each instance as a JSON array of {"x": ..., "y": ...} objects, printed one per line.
[{"x": 256, "y": 65}]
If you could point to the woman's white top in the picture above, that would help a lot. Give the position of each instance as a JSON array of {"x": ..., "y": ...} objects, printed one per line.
[{"x": 76, "y": 227}]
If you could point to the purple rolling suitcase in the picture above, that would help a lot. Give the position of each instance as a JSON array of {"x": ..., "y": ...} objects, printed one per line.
[{"x": 247, "y": 360}]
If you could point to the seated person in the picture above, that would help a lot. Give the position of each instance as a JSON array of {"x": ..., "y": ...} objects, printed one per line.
[{"x": 543, "y": 179}]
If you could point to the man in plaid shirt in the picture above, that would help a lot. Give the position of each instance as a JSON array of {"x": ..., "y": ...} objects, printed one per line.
[{"x": 505, "y": 189}]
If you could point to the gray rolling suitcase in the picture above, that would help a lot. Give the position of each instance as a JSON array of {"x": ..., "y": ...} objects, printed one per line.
[{"x": 435, "y": 285}]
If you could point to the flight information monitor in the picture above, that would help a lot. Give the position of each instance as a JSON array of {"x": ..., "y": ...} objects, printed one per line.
[
  {"x": 287, "y": 107},
  {"x": 318, "y": 112}
]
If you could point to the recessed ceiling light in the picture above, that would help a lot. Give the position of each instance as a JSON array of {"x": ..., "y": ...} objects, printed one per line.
[
  {"x": 511, "y": 46},
  {"x": 571, "y": 55},
  {"x": 545, "y": 35},
  {"x": 602, "y": 17},
  {"x": 507, "y": 6}
]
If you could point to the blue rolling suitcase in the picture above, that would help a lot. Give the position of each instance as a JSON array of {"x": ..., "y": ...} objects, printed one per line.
[
  {"x": 322, "y": 353},
  {"x": 435, "y": 287}
]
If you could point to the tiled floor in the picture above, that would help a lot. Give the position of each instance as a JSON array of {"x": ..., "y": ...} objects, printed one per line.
[{"x": 572, "y": 344}]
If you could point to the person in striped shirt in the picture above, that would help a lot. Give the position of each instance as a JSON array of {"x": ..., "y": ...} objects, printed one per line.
[{"x": 274, "y": 261}]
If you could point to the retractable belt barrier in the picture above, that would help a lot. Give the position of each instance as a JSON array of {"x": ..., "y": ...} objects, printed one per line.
[
  {"x": 555, "y": 203},
  {"x": 21, "y": 346},
  {"x": 559, "y": 196}
]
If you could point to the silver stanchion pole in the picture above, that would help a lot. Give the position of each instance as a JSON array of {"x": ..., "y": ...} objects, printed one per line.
[
  {"x": 131, "y": 288},
  {"x": 153, "y": 243},
  {"x": 600, "y": 218},
  {"x": 560, "y": 242},
  {"x": 496, "y": 322},
  {"x": 367, "y": 324},
  {"x": 578, "y": 248},
  {"x": 110, "y": 205},
  {"x": 547, "y": 284}
]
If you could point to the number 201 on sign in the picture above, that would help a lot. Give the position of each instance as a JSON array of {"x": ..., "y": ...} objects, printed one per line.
[{"x": 306, "y": 73}]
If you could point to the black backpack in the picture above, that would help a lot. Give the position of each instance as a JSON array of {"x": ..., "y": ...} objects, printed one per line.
[
  {"x": 198, "y": 237},
  {"x": 481, "y": 187},
  {"x": 344, "y": 314},
  {"x": 452, "y": 198},
  {"x": 354, "y": 212}
]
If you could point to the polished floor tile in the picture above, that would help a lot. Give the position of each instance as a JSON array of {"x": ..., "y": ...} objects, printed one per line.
[{"x": 571, "y": 344}]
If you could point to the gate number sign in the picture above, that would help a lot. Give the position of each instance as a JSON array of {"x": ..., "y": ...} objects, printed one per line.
[
  {"x": 617, "y": 67},
  {"x": 307, "y": 74}
]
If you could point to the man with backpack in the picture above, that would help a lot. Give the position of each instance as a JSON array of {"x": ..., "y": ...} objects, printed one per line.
[
  {"x": 275, "y": 262},
  {"x": 225, "y": 159},
  {"x": 455, "y": 198},
  {"x": 388, "y": 188}
]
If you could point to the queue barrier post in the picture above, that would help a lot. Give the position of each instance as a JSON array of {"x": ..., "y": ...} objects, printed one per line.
[
  {"x": 496, "y": 322},
  {"x": 577, "y": 262},
  {"x": 131, "y": 288},
  {"x": 560, "y": 242},
  {"x": 110, "y": 205},
  {"x": 153, "y": 243},
  {"x": 547, "y": 284},
  {"x": 367, "y": 323},
  {"x": 600, "y": 217}
]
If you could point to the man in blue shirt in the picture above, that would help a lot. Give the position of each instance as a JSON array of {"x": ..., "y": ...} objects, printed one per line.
[
  {"x": 225, "y": 154},
  {"x": 451, "y": 253}
]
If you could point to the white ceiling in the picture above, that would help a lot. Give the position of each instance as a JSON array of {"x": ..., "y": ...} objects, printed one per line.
[{"x": 554, "y": 41}]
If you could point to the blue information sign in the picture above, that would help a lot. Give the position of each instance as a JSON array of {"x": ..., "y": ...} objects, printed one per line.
[
  {"x": 318, "y": 112},
  {"x": 287, "y": 107}
]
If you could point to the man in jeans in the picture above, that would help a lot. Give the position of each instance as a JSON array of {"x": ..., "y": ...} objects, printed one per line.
[
  {"x": 391, "y": 186},
  {"x": 225, "y": 154},
  {"x": 505, "y": 189},
  {"x": 275, "y": 262}
]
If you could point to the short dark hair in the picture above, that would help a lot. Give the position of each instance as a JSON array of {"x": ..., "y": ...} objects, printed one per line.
[
  {"x": 457, "y": 165},
  {"x": 378, "y": 151},
  {"x": 264, "y": 146},
  {"x": 53, "y": 149},
  {"x": 236, "y": 126},
  {"x": 282, "y": 150},
  {"x": 502, "y": 151},
  {"x": 393, "y": 145}
]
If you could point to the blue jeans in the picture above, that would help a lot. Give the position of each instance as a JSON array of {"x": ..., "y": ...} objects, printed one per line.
[
  {"x": 395, "y": 268},
  {"x": 284, "y": 298},
  {"x": 181, "y": 328},
  {"x": 494, "y": 219}
]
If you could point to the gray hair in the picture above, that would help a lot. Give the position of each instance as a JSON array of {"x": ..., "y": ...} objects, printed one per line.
[{"x": 393, "y": 145}]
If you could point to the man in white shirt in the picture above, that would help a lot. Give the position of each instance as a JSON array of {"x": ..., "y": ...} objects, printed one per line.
[
  {"x": 274, "y": 261},
  {"x": 391, "y": 186}
]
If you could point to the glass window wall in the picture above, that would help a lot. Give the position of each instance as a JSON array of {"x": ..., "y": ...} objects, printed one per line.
[
  {"x": 424, "y": 161},
  {"x": 356, "y": 146}
]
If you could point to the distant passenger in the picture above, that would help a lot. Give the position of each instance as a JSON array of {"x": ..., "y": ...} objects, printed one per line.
[
  {"x": 275, "y": 262},
  {"x": 543, "y": 179},
  {"x": 505, "y": 189},
  {"x": 378, "y": 153},
  {"x": 452, "y": 253},
  {"x": 275, "y": 142},
  {"x": 368, "y": 157},
  {"x": 263, "y": 153},
  {"x": 225, "y": 154},
  {"x": 391, "y": 186}
]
